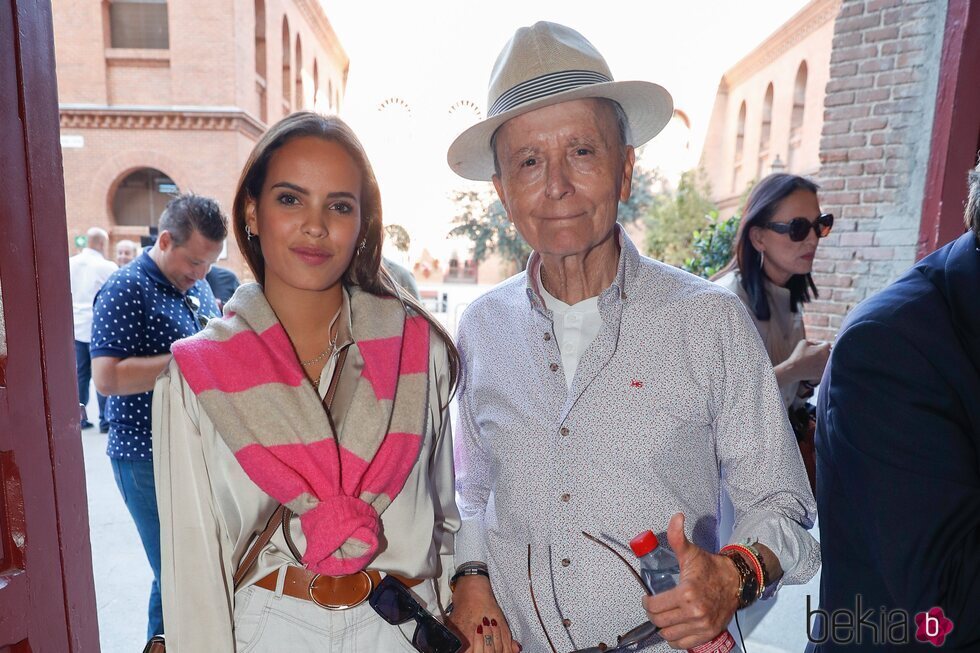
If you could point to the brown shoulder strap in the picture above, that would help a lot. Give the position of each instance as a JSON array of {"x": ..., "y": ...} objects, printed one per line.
[
  {"x": 253, "y": 553},
  {"x": 281, "y": 514}
]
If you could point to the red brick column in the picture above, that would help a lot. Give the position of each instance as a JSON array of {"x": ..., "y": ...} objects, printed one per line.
[{"x": 874, "y": 148}]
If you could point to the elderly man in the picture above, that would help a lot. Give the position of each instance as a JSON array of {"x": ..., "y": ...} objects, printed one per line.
[
  {"x": 88, "y": 270},
  {"x": 126, "y": 251},
  {"x": 141, "y": 310},
  {"x": 603, "y": 391},
  {"x": 898, "y": 445}
]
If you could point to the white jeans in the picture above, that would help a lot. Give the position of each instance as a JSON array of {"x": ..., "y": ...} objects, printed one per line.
[{"x": 270, "y": 622}]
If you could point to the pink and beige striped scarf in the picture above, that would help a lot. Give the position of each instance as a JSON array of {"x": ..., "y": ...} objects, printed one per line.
[{"x": 245, "y": 374}]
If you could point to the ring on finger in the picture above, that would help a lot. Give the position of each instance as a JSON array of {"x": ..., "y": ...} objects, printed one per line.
[{"x": 488, "y": 640}]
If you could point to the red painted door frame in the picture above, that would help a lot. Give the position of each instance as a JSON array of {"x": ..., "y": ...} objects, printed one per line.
[
  {"x": 955, "y": 130},
  {"x": 47, "y": 593}
]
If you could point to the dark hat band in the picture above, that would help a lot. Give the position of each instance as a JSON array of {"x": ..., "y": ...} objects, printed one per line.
[{"x": 544, "y": 86}]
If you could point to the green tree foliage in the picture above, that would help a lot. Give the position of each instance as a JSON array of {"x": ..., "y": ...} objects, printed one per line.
[
  {"x": 398, "y": 236},
  {"x": 481, "y": 218},
  {"x": 674, "y": 216},
  {"x": 712, "y": 246}
]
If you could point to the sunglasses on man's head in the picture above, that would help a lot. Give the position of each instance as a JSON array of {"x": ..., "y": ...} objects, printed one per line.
[
  {"x": 799, "y": 228},
  {"x": 397, "y": 605}
]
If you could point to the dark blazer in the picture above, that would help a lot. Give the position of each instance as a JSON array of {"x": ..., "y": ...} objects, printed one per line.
[{"x": 898, "y": 451}]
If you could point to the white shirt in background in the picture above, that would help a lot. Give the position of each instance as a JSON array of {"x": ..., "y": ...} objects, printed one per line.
[{"x": 87, "y": 270}]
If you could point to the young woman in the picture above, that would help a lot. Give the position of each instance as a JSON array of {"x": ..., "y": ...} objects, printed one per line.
[
  {"x": 240, "y": 424},
  {"x": 770, "y": 272}
]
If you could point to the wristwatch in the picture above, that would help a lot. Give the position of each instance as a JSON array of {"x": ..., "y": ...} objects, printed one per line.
[{"x": 748, "y": 588}]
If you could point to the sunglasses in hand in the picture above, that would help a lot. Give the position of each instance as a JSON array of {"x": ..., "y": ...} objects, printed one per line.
[
  {"x": 799, "y": 228},
  {"x": 396, "y": 605},
  {"x": 632, "y": 640}
]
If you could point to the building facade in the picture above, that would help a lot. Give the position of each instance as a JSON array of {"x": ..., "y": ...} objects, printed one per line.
[
  {"x": 768, "y": 111},
  {"x": 885, "y": 123},
  {"x": 161, "y": 96}
]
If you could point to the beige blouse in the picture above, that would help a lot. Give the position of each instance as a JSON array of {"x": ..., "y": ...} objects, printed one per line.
[
  {"x": 780, "y": 333},
  {"x": 210, "y": 511}
]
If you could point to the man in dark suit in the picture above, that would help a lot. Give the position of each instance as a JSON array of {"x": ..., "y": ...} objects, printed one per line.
[{"x": 898, "y": 460}]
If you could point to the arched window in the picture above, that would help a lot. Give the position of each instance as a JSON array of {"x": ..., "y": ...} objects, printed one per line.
[
  {"x": 316, "y": 85},
  {"x": 765, "y": 133},
  {"x": 139, "y": 24},
  {"x": 141, "y": 196},
  {"x": 287, "y": 70},
  {"x": 260, "y": 79},
  {"x": 299, "y": 99},
  {"x": 796, "y": 118},
  {"x": 739, "y": 147}
]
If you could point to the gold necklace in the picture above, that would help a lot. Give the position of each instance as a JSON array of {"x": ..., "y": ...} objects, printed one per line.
[{"x": 332, "y": 347}]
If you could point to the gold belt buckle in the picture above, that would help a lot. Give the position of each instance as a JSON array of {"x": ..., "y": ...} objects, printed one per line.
[{"x": 341, "y": 606}]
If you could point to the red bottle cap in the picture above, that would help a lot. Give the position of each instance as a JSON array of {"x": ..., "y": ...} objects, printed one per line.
[{"x": 644, "y": 543}]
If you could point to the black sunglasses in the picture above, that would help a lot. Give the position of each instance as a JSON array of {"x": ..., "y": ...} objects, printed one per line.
[
  {"x": 194, "y": 304},
  {"x": 396, "y": 605},
  {"x": 799, "y": 228}
]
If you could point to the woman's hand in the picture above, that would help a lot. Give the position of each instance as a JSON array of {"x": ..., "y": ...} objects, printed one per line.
[
  {"x": 478, "y": 620},
  {"x": 806, "y": 363}
]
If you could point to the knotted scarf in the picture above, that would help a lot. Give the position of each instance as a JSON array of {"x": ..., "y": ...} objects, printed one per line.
[{"x": 244, "y": 372}]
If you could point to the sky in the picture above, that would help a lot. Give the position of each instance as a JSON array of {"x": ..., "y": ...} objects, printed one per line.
[{"x": 417, "y": 60}]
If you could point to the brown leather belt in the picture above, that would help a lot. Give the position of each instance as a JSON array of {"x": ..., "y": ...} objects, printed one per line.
[{"x": 330, "y": 592}]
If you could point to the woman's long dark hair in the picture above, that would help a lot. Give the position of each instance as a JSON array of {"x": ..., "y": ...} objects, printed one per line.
[
  {"x": 365, "y": 269},
  {"x": 759, "y": 209}
]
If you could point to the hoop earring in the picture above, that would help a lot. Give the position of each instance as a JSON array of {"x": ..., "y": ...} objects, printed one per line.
[
  {"x": 762, "y": 259},
  {"x": 248, "y": 234}
]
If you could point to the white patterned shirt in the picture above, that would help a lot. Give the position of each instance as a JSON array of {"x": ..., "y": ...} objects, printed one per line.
[{"x": 673, "y": 400}]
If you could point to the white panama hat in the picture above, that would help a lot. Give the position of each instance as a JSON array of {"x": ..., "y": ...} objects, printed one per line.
[{"x": 546, "y": 64}]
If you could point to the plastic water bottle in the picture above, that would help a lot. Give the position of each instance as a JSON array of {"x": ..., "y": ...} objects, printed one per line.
[{"x": 660, "y": 572}]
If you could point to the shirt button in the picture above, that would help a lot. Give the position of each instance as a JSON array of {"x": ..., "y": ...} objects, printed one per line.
[
  {"x": 565, "y": 497},
  {"x": 553, "y": 367},
  {"x": 547, "y": 336},
  {"x": 565, "y": 562},
  {"x": 567, "y": 623},
  {"x": 564, "y": 430}
]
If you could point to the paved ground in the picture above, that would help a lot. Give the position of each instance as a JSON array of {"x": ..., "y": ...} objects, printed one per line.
[{"x": 122, "y": 575}]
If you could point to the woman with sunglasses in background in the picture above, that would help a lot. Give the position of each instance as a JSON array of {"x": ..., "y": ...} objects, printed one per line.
[
  {"x": 770, "y": 272},
  {"x": 323, "y": 393}
]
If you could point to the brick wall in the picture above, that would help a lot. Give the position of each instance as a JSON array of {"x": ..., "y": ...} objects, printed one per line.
[
  {"x": 195, "y": 103},
  {"x": 874, "y": 149}
]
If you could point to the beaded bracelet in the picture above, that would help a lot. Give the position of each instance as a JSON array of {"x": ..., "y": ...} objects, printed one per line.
[
  {"x": 754, "y": 558},
  {"x": 766, "y": 577}
]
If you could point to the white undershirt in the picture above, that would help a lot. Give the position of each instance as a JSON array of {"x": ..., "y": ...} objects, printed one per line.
[{"x": 576, "y": 326}]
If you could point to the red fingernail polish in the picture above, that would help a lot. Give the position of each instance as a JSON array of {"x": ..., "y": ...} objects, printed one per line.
[
  {"x": 486, "y": 622},
  {"x": 479, "y": 630},
  {"x": 493, "y": 622}
]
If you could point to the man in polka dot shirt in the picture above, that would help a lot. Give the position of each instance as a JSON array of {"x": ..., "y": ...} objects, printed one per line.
[{"x": 141, "y": 310}]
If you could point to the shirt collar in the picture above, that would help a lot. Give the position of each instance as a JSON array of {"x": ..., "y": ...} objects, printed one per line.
[
  {"x": 345, "y": 332},
  {"x": 152, "y": 270},
  {"x": 618, "y": 290}
]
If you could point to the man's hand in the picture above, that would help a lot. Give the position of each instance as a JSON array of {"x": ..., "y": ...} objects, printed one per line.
[
  {"x": 478, "y": 620},
  {"x": 705, "y": 598}
]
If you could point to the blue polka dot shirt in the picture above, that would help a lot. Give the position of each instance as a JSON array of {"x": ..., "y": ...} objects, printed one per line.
[{"x": 138, "y": 312}]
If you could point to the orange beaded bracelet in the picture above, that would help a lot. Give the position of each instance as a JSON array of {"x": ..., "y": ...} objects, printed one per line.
[{"x": 754, "y": 560}]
